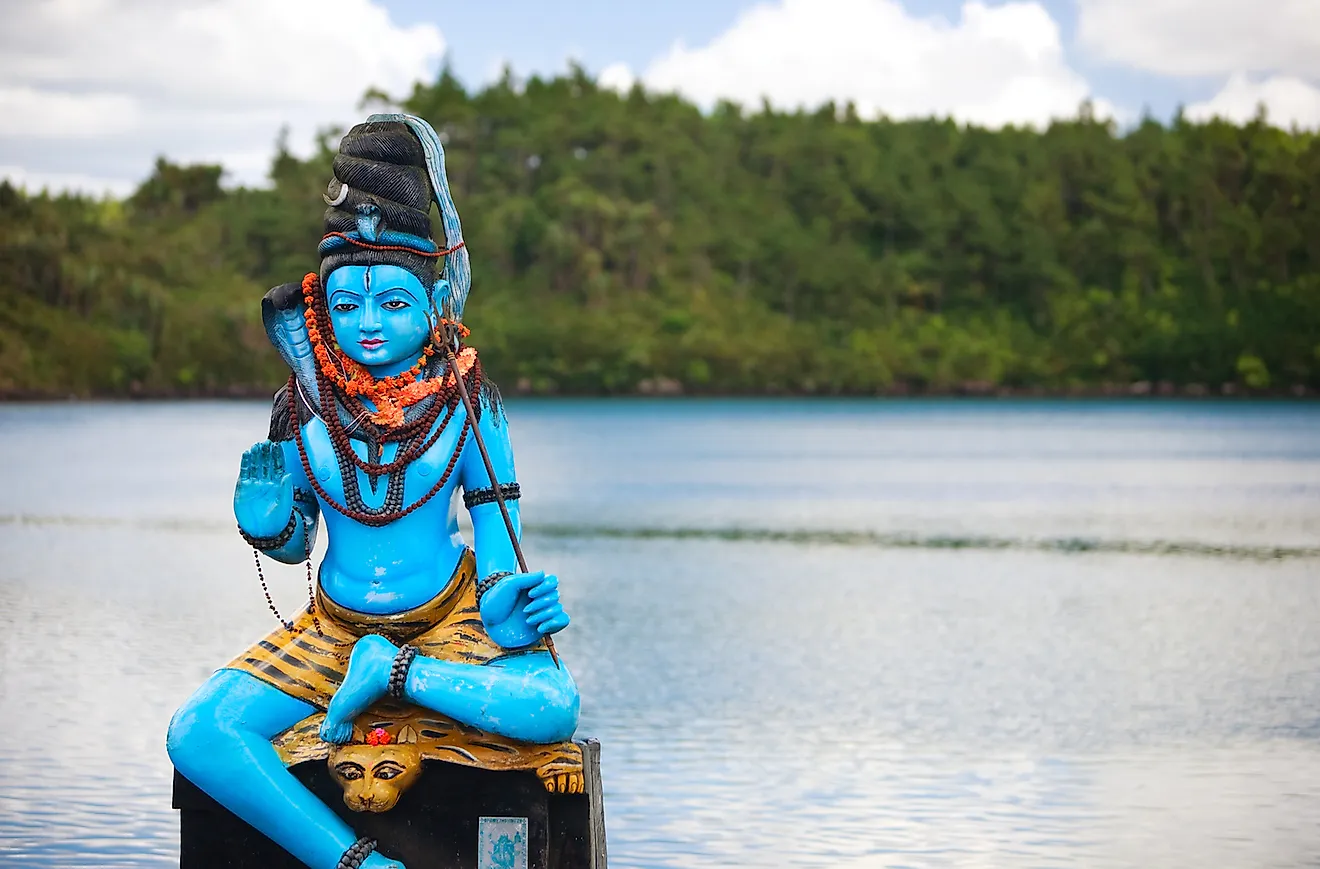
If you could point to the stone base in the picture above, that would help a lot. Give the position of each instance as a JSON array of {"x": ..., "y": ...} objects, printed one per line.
[{"x": 434, "y": 826}]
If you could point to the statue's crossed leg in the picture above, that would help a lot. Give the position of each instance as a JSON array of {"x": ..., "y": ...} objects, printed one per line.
[{"x": 221, "y": 739}]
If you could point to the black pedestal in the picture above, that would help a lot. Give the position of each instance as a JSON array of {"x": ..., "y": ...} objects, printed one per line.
[{"x": 434, "y": 826}]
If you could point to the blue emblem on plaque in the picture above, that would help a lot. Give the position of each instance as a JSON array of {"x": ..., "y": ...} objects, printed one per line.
[{"x": 502, "y": 843}]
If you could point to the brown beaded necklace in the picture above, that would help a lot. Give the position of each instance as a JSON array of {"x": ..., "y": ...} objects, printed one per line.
[
  {"x": 391, "y": 395},
  {"x": 340, "y": 440},
  {"x": 411, "y": 435},
  {"x": 414, "y": 437}
]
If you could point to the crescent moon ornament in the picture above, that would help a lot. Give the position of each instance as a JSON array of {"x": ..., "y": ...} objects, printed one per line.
[{"x": 339, "y": 198}]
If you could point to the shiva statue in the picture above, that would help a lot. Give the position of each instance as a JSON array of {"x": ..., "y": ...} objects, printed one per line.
[{"x": 412, "y": 645}]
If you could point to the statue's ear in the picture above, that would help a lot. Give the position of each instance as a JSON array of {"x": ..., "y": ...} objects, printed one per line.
[
  {"x": 440, "y": 295},
  {"x": 407, "y": 735}
]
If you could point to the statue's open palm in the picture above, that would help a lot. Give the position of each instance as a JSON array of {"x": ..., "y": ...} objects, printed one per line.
[{"x": 263, "y": 496}]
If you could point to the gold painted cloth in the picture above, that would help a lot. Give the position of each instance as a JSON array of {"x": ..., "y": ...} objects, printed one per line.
[{"x": 308, "y": 664}]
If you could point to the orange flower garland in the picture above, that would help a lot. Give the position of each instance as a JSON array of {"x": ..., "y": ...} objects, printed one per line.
[{"x": 389, "y": 395}]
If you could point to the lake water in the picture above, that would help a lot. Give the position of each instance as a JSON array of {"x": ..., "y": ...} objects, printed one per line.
[{"x": 834, "y": 634}]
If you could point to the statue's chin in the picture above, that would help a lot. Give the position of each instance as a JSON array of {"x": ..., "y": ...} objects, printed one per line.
[
  {"x": 374, "y": 805},
  {"x": 379, "y": 358}
]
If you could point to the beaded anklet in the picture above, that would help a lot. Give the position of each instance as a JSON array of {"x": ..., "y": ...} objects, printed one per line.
[
  {"x": 399, "y": 671},
  {"x": 357, "y": 854}
]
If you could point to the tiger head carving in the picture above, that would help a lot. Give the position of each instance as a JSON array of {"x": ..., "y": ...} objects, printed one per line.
[{"x": 375, "y": 769}]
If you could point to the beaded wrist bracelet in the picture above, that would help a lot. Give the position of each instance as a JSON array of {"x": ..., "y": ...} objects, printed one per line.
[
  {"x": 268, "y": 543},
  {"x": 356, "y": 854},
  {"x": 399, "y": 671},
  {"x": 489, "y": 582}
]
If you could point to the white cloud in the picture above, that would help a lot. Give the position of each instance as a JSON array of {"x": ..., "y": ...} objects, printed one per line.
[
  {"x": 995, "y": 65},
  {"x": 62, "y": 181},
  {"x": 616, "y": 76},
  {"x": 1288, "y": 102},
  {"x": 1204, "y": 37},
  {"x": 48, "y": 114},
  {"x": 92, "y": 90},
  {"x": 1268, "y": 50}
]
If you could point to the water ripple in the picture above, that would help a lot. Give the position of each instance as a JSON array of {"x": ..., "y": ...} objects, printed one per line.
[
  {"x": 800, "y": 536},
  {"x": 994, "y": 664}
]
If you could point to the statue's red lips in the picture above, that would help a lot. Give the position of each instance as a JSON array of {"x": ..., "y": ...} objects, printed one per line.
[{"x": 372, "y": 343}]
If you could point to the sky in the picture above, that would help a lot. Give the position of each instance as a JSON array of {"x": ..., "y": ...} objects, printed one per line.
[{"x": 92, "y": 91}]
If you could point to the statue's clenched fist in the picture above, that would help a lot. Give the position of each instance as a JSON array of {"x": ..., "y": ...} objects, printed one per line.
[{"x": 523, "y": 607}]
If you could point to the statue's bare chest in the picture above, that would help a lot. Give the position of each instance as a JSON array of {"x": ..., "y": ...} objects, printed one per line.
[{"x": 349, "y": 484}]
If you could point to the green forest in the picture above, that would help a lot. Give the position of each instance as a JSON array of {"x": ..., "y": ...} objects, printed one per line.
[{"x": 626, "y": 243}]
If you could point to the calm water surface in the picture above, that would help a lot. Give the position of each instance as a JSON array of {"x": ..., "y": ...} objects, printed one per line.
[{"x": 990, "y": 668}]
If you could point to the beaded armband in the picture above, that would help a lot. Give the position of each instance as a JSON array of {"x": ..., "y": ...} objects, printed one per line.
[
  {"x": 489, "y": 582},
  {"x": 268, "y": 543},
  {"x": 477, "y": 497},
  {"x": 399, "y": 671},
  {"x": 356, "y": 854}
]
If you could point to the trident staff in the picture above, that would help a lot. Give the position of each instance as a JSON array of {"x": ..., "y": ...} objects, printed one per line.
[{"x": 447, "y": 341}]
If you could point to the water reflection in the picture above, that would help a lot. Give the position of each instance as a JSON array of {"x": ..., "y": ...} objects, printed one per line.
[{"x": 760, "y": 704}]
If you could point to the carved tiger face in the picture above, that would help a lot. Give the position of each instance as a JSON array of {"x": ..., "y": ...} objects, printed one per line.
[{"x": 373, "y": 777}]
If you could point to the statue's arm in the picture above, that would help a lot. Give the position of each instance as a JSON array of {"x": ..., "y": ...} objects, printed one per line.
[
  {"x": 494, "y": 550},
  {"x": 519, "y": 608},
  {"x": 273, "y": 504}
]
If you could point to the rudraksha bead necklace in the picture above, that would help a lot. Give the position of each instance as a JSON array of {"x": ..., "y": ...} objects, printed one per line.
[
  {"x": 356, "y": 510},
  {"x": 414, "y": 437}
]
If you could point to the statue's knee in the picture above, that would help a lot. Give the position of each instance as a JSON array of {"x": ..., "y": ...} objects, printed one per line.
[
  {"x": 203, "y": 725},
  {"x": 194, "y": 734},
  {"x": 560, "y": 725},
  {"x": 557, "y": 719}
]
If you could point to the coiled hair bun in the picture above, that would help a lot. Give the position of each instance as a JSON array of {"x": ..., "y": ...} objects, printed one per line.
[{"x": 380, "y": 165}]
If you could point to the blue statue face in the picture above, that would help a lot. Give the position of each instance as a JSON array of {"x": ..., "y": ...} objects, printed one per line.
[{"x": 379, "y": 315}]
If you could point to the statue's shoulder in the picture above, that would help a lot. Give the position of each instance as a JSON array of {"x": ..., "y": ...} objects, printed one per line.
[{"x": 281, "y": 414}]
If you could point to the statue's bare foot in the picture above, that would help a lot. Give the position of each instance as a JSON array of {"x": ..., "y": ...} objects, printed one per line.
[{"x": 365, "y": 682}]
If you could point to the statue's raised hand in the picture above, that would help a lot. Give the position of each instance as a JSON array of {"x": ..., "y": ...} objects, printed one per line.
[
  {"x": 263, "y": 496},
  {"x": 523, "y": 607}
]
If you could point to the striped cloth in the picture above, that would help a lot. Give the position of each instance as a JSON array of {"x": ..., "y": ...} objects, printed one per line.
[{"x": 310, "y": 666}]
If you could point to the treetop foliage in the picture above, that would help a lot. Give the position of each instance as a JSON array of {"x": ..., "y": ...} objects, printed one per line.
[{"x": 626, "y": 242}]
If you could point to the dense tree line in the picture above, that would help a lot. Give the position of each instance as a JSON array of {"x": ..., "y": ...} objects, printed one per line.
[{"x": 626, "y": 242}]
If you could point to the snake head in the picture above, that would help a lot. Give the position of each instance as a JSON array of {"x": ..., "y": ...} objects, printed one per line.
[{"x": 368, "y": 221}]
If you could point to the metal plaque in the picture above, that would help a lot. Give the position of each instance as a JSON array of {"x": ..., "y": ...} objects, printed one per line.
[{"x": 502, "y": 843}]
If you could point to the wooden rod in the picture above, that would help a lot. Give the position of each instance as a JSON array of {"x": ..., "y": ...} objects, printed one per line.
[{"x": 490, "y": 467}]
